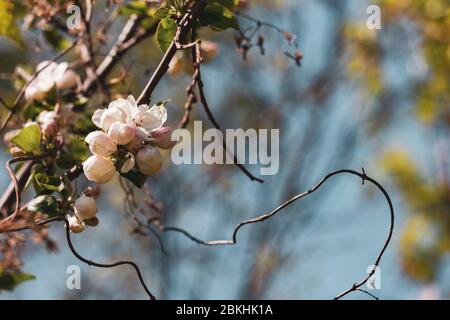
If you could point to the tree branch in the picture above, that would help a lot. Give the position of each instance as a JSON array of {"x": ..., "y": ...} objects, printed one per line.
[{"x": 184, "y": 26}]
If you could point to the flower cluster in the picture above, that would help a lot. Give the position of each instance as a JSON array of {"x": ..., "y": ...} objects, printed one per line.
[
  {"x": 128, "y": 139},
  {"x": 50, "y": 75}
]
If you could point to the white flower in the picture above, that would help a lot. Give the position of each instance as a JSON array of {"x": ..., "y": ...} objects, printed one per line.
[
  {"x": 101, "y": 144},
  {"x": 50, "y": 74},
  {"x": 128, "y": 164},
  {"x": 98, "y": 169},
  {"x": 85, "y": 208},
  {"x": 149, "y": 160},
  {"x": 46, "y": 116},
  {"x": 143, "y": 119},
  {"x": 104, "y": 118},
  {"x": 121, "y": 133},
  {"x": 74, "y": 225},
  {"x": 65, "y": 78},
  {"x": 37, "y": 90},
  {"x": 48, "y": 122}
]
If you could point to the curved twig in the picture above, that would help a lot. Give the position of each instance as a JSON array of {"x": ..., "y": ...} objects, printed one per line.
[
  {"x": 15, "y": 181},
  {"x": 81, "y": 258},
  {"x": 270, "y": 214}
]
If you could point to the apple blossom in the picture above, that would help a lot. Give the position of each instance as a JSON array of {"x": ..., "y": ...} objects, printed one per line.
[
  {"x": 64, "y": 78},
  {"x": 101, "y": 144},
  {"x": 149, "y": 160},
  {"x": 50, "y": 74},
  {"x": 143, "y": 118},
  {"x": 121, "y": 133},
  {"x": 85, "y": 208},
  {"x": 98, "y": 169}
]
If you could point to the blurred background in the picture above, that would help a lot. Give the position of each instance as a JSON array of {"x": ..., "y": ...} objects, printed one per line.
[{"x": 377, "y": 99}]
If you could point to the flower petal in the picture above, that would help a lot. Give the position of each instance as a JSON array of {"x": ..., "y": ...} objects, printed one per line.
[
  {"x": 96, "y": 117},
  {"x": 160, "y": 112},
  {"x": 124, "y": 106}
]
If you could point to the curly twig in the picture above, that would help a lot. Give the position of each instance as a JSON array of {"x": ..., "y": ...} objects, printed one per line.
[
  {"x": 81, "y": 258},
  {"x": 270, "y": 214}
]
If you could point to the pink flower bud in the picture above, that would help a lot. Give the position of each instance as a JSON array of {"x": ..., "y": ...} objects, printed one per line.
[
  {"x": 98, "y": 169},
  {"x": 50, "y": 129},
  {"x": 121, "y": 133},
  {"x": 101, "y": 144},
  {"x": 85, "y": 208},
  {"x": 67, "y": 80},
  {"x": 149, "y": 160},
  {"x": 162, "y": 138}
]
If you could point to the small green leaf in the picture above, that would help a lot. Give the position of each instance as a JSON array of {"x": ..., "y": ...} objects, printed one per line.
[
  {"x": 134, "y": 7},
  {"x": 28, "y": 139},
  {"x": 162, "y": 103},
  {"x": 218, "y": 17},
  {"x": 161, "y": 13},
  {"x": 10, "y": 280},
  {"x": 48, "y": 183},
  {"x": 167, "y": 28},
  {"x": 135, "y": 177},
  {"x": 45, "y": 204}
]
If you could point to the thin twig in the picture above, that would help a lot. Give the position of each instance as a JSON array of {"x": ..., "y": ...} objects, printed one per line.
[
  {"x": 183, "y": 27},
  {"x": 270, "y": 214},
  {"x": 80, "y": 257},
  {"x": 215, "y": 123}
]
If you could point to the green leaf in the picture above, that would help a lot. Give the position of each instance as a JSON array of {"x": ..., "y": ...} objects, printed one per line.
[
  {"x": 8, "y": 26},
  {"x": 167, "y": 28},
  {"x": 218, "y": 17},
  {"x": 28, "y": 139},
  {"x": 48, "y": 183},
  {"x": 135, "y": 177},
  {"x": 161, "y": 13},
  {"x": 10, "y": 280},
  {"x": 134, "y": 7},
  {"x": 45, "y": 204}
]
